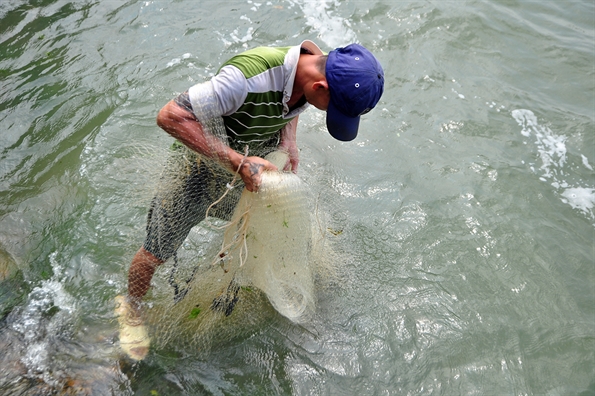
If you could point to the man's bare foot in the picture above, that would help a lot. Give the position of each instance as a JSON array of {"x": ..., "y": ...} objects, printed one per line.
[{"x": 134, "y": 339}]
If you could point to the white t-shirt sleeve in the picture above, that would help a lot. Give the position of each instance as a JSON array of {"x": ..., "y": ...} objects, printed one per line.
[{"x": 230, "y": 88}]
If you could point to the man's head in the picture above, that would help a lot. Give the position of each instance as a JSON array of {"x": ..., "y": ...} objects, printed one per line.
[
  {"x": 356, "y": 83},
  {"x": 346, "y": 83}
]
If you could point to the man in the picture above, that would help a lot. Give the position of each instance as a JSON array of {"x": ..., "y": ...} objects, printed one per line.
[{"x": 259, "y": 95}]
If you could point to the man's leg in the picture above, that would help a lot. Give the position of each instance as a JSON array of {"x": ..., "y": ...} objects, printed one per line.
[
  {"x": 141, "y": 271},
  {"x": 134, "y": 338},
  {"x": 169, "y": 220},
  {"x": 180, "y": 204}
]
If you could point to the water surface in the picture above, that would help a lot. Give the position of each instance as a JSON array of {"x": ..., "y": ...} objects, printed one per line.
[{"x": 463, "y": 213}]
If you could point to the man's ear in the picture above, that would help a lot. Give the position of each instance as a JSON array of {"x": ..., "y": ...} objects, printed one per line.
[{"x": 320, "y": 84}]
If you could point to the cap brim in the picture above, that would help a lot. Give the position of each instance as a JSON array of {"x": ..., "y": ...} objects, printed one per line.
[{"x": 340, "y": 126}]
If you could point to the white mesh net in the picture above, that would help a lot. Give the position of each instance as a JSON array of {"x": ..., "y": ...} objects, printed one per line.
[
  {"x": 271, "y": 237},
  {"x": 231, "y": 255}
]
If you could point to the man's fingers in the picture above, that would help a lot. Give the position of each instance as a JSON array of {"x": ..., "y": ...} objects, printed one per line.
[{"x": 252, "y": 170}]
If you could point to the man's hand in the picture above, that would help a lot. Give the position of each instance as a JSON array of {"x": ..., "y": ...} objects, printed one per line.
[{"x": 251, "y": 170}]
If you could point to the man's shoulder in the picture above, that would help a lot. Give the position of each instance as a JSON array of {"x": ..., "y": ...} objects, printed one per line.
[{"x": 258, "y": 60}]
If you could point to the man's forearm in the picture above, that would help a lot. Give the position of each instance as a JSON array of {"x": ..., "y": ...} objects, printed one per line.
[
  {"x": 288, "y": 144},
  {"x": 183, "y": 125}
]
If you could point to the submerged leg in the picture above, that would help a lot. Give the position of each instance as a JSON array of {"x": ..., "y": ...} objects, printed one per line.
[
  {"x": 134, "y": 338},
  {"x": 227, "y": 300}
]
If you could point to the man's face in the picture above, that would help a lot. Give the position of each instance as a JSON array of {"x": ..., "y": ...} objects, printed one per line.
[{"x": 318, "y": 95}]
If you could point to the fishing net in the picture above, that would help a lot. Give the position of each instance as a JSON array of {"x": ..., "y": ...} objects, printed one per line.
[{"x": 234, "y": 259}]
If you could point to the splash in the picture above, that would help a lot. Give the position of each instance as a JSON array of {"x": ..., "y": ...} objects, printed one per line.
[
  {"x": 580, "y": 198},
  {"x": 321, "y": 15},
  {"x": 48, "y": 299},
  {"x": 553, "y": 155}
]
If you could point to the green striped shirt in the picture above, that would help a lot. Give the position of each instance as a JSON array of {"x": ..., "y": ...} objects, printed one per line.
[
  {"x": 253, "y": 89},
  {"x": 262, "y": 113}
]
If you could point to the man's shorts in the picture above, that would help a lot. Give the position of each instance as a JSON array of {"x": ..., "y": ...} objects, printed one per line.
[{"x": 187, "y": 188}]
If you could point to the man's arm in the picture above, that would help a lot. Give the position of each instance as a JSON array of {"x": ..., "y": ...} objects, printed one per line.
[
  {"x": 288, "y": 144},
  {"x": 183, "y": 125}
]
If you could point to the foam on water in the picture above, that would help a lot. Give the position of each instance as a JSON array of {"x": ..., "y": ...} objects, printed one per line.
[
  {"x": 33, "y": 325},
  {"x": 553, "y": 155},
  {"x": 333, "y": 29},
  {"x": 586, "y": 162},
  {"x": 580, "y": 198}
]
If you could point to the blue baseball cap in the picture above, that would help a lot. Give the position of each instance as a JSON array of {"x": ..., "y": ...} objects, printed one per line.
[{"x": 356, "y": 83}]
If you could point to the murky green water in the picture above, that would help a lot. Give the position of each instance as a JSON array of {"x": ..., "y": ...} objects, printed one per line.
[{"x": 465, "y": 207}]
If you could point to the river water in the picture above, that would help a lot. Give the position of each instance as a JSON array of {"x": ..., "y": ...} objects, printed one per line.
[{"x": 464, "y": 211}]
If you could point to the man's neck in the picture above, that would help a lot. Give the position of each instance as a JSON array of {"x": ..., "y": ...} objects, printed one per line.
[
  {"x": 299, "y": 103},
  {"x": 297, "y": 94}
]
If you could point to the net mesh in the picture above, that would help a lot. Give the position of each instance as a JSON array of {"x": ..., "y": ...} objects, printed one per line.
[{"x": 233, "y": 258}]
